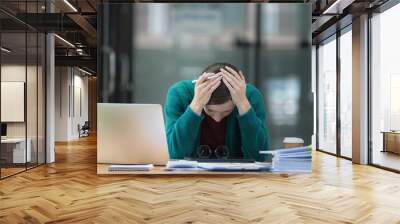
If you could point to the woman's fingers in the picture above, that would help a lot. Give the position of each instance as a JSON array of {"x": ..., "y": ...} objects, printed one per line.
[
  {"x": 202, "y": 85},
  {"x": 242, "y": 76},
  {"x": 226, "y": 82},
  {"x": 205, "y": 86},
  {"x": 230, "y": 77},
  {"x": 201, "y": 79},
  {"x": 233, "y": 72},
  {"x": 205, "y": 81},
  {"x": 234, "y": 83},
  {"x": 214, "y": 86},
  {"x": 213, "y": 82}
]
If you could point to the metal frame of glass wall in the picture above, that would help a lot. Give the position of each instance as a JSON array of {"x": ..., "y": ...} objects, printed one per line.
[
  {"x": 35, "y": 101},
  {"x": 334, "y": 37}
]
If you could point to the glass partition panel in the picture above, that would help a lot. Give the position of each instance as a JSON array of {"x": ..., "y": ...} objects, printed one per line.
[
  {"x": 14, "y": 153},
  {"x": 327, "y": 96},
  {"x": 346, "y": 94}
]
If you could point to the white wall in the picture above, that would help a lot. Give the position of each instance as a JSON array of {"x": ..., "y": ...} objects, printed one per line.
[
  {"x": 12, "y": 101},
  {"x": 33, "y": 126},
  {"x": 62, "y": 81},
  {"x": 71, "y": 102},
  {"x": 81, "y": 100},
  {"x": 14, "y": 73},
  {"x": 17, "y": 73}
]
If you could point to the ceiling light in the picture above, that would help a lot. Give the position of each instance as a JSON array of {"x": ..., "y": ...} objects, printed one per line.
[
  {"x": 65, "y": 41},
  {"x": 5, "y": 50},
  {"x": 84, "y": 71},
  {"x": 70, "y": 5},
  {"x": 329, "y": 9}
]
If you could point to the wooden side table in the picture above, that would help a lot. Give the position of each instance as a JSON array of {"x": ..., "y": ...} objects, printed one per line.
[{"x": 391, "y": 141}]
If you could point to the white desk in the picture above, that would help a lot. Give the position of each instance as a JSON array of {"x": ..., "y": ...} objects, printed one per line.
[{"x": 19, "y": 153}]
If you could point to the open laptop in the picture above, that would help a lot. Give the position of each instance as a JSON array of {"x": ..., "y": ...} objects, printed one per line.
[{"x": 131, "y": 134}]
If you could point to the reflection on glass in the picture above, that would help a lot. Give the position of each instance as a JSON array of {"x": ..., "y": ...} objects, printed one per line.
[
  {"x": 346, "y": 94},
  {"x": 285, "y": 71},
  {"x": 385, "y": 85},
  {"x": 327, "y": 97},
  {"x": 284, "y": 104}
]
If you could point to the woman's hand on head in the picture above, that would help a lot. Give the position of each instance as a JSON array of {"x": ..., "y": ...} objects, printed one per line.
[
  {"x": 203, "y": 89},
  {"x": 236, "y": 84}
]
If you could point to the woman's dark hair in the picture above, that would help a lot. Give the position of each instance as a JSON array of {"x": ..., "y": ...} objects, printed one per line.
[{"x": 221, "y": 94}]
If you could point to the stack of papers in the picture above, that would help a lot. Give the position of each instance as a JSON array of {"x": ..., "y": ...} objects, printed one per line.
[
  {"x": 141, "y": 167},
  {"x": 291, "y": 160}
]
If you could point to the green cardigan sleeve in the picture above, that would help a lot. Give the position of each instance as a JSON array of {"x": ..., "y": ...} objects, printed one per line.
[
  {"x": 182, "y": 124},
  {"x": 253, "y": 131}
]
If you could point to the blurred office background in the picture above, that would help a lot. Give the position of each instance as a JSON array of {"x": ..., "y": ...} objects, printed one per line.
[{"x": 160, "y": 44}]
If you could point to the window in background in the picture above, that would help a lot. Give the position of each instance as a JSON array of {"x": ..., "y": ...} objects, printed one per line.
[
  {"x": 346, "y": 94},
  {"x": 327, "y": 96},
  {"x": 385, "y": 89}
]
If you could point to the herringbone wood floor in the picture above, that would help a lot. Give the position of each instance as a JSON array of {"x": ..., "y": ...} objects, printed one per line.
[{"x": 69, "y": 191}]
